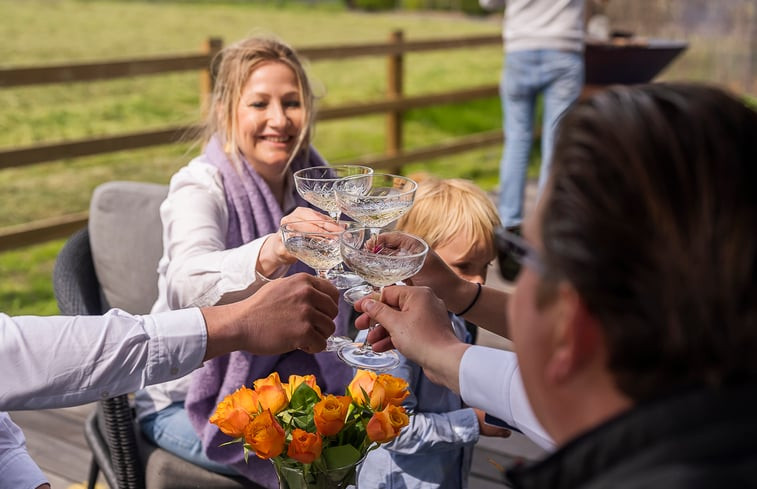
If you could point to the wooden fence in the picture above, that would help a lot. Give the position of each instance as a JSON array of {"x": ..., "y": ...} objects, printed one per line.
[{"x": 392, "y": 105}]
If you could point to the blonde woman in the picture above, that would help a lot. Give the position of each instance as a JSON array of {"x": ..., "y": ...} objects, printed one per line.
[{"x": 220, "y": 240}]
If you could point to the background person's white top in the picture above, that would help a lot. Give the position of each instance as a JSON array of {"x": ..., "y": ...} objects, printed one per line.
[
  {"x": 541, "y": 24},
  {"x": 196, "y": 269}
]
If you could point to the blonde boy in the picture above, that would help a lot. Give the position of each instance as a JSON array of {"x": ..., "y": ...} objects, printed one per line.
[{"x": 457, "y": 220}]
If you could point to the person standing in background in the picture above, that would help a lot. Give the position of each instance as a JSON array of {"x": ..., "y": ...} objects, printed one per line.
[{"x": 544, "y": 43}]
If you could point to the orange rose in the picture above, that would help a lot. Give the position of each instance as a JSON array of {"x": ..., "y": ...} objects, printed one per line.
[
  {"x": 235, "y": 412},
  {"x": 385, "y": 425},
  {"x": 271, "y": 393},
  {"x": 329, "y": 414},
  {"x": 305, "y": 447},
  {"x": 364, "y": 380},
  {"x": 398, "y": 417},
  {"x": 395, "y": 389},
  {"x": 265, "y": 435},
  {"x": 296, "y": 380},
  {"x": 379, "y": 428}
]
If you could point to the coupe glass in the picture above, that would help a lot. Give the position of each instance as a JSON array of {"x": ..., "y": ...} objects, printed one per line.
[
  {"x": 316, "y": 244},
  {"x": 316, "y": 185},
  {"x": 380, "y": 259},
  {"x": 384, "y": 201}
]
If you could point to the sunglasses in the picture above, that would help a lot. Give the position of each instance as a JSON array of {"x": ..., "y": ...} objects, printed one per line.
[{"x": 518, "y": 250}]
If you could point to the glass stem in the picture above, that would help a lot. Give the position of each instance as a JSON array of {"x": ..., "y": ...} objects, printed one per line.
[
  {"x": 366, "y": 347},
  {"x": 339, "y": 268}
]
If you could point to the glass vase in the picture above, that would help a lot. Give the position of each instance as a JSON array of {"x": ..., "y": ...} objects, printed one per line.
[{"x": 297, "y": 477}]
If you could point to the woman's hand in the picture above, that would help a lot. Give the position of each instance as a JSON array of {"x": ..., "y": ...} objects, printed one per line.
[{"x": 273, "y": 254}]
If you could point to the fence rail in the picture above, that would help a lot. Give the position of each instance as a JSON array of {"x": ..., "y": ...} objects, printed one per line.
[{"x": 393, "y": 105}]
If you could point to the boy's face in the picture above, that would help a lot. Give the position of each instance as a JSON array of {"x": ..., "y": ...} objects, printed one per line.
[{"x": 470, "y": 263}]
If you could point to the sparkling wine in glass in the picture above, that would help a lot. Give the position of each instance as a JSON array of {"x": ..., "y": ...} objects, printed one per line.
[
  {"x": 385, "y": 200},
  {"x": 316, "y": 186},
  {"x": 316, "y": 244},
  {"x": 380, "y": 259}
]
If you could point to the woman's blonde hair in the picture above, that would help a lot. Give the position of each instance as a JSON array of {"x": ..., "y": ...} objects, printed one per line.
[
  {"x": 235, "y": 65},
  {"x": 444, "y": 209}
]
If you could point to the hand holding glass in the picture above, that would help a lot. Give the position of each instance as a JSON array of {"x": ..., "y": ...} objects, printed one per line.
[
  {"x": 380, "y": 259},
  {"x": 316, "y": 185},
  {"x": 316, "y": 244}
]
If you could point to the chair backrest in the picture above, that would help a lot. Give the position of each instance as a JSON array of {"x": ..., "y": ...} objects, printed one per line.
[
  {"x": 125, "y": 234},
  {"x": 74, "y": 281}
]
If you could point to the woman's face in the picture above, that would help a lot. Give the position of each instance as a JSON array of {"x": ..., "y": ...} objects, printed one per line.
[{"x": 269, "y": 117}]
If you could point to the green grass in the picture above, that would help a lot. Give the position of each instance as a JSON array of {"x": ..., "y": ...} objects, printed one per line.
[
  {"x": 26, "y": 274},
  {"x": 62, "y": 31}
]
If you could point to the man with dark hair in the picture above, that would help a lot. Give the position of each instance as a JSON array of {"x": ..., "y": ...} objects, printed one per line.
[{"x": 635, "y": 314}]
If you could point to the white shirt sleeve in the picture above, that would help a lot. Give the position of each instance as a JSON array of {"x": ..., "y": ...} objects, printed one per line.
[
  {"x": 196, "y": 268},
  {"x": 17, "y": 469},
  {"x": 59, "y": 361},
  {"x": 506, "y": 399}
]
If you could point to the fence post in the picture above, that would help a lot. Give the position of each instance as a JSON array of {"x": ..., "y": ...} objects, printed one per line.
[
  {"x": 211, "y": 47},
  {"x": 393, "y": 92}
]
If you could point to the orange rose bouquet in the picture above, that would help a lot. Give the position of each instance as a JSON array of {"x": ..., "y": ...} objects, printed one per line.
[{"x": 314, "y": 440}]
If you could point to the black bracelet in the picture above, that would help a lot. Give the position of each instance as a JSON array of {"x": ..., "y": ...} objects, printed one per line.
[{"x": 473, "y": 302}]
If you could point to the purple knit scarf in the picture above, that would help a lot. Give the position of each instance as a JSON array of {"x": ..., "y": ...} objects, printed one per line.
[{"x": 254, "y": 212}]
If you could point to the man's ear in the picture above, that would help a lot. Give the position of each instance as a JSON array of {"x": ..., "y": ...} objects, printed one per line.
[{"x": 577, "y": 337}]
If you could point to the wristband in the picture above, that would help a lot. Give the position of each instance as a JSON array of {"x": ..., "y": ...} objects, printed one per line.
[{"x": 473, "y": 302}]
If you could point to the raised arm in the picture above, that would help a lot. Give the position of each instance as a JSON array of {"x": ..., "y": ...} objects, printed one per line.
[{"x": 63, "y": 361}]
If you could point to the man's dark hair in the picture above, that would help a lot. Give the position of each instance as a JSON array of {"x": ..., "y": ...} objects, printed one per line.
[{"x": 652, "y": 216}]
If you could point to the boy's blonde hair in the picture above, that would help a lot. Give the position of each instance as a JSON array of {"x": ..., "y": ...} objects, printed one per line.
[{"x": 444, "y": 209}]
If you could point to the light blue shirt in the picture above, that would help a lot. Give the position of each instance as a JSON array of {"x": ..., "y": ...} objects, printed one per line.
[{"x": 434, "y": 450}]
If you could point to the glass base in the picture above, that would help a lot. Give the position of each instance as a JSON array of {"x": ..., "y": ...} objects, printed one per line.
[
  {"x": 344, "y": 279},
  {"x": 359, "y": 356},
  {"x": 334, "y": 343}
]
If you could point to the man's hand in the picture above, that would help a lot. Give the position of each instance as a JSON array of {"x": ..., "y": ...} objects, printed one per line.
[
  {"x": 295, "y": 312},
  {"x": 415, "y": 321}
]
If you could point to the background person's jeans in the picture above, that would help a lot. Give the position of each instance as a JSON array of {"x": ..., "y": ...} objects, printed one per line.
[
  {"x": 559, "y": 75},
  {"x": 172, "y": 431}
]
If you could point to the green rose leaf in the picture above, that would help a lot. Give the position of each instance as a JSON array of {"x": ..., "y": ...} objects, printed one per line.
[
  {"x": 341, "y": 456},
  {"x": 304, "y": 398}
]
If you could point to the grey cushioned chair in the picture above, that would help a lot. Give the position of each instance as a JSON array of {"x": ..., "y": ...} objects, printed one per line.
[{"x": 113, "y": 263}]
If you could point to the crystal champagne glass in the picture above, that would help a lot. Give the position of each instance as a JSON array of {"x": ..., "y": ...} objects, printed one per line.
[
  {"x": 375, "y": 202},
  {"x": 380, "y": 259},
  {"x": 316, "y": 244},
  {"x": 316, "y": 185},
  {"x": 385, "y": 199}
]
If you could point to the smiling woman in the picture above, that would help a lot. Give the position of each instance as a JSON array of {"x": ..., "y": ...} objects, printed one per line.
[{"x": 221, "y": 242}]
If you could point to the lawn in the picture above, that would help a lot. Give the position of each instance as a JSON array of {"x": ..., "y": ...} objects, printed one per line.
[{"x": 61, "y": 31}]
